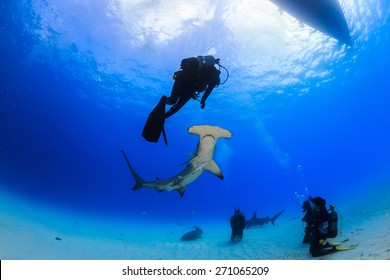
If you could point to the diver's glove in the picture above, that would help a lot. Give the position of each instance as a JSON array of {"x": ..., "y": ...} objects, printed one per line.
[{"x": 202, "y": 105}]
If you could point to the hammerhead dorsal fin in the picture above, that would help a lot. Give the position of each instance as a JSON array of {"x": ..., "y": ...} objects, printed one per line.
[
  {"x": 213, "y": 168},
  {"x": 254, "y": 215}
]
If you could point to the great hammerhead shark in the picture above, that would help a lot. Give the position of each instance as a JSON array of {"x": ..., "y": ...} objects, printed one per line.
[
  {"x": 199, "y": 162},
  {"x": 254, "y": 221}
]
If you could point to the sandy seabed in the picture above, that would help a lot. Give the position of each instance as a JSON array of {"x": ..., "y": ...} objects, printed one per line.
[{"x": 58, "y": 238}]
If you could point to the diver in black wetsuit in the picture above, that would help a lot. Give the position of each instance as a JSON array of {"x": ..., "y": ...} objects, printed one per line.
[
  {"x": 197, "y": 74},
  {"x": 319, "y": 228},
  {"x": 307, "y": 209},
  {"x": 323, "y": 225},
  {"x": 237, "y": 223}
]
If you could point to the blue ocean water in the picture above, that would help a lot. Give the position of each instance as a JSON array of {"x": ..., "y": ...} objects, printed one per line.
[{"x": 309, "y": 115}]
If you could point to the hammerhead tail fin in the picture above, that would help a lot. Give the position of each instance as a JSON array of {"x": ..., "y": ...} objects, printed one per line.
[
  {"x": 276, "y": 216},
  {"x": 138, "y": 180}
]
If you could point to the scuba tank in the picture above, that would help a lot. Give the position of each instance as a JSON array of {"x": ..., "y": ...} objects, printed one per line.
[
  {"x": 192, "y": 64},
  {"x": 207, "y": 61},
  {"x": 333, "y": 220}
]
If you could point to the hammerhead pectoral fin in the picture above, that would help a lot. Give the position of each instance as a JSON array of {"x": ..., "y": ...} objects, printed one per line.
[
  {"x": 214, "y": 168},
  {"x": 193, "y": 157}
]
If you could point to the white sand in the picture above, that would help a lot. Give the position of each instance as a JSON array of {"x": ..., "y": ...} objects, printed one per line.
[{"x": 35, "y": 238}]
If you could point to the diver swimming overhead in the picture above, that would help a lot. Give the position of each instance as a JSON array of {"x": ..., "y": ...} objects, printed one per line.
[{"x": 196, "y": 75}]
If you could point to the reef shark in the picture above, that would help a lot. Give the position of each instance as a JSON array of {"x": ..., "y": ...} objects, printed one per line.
[
  {"x": 324, "y": 15},
  {"x": 201, "y": 161},
  {"x": 254, "y": 221}
]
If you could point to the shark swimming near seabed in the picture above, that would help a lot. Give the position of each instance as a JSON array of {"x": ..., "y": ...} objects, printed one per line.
[
  {"x": 325, "y": 16},
  {"x": 259, "y": 222},
  {"x": 192, "y": 235},
  {"x": 201, "y": 161}
]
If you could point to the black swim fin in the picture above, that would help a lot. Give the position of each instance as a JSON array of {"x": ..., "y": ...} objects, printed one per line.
[{"x": 154, "y": 125}]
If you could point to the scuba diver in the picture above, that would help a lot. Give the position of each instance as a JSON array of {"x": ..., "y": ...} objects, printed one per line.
[
  {"x": 307, "y": 209},
  {"x": 196, "y": 75},
  {"x": 237, "y": 223},
  {"x": 323, "y": 226},
  {"x": 319, "y": 220}
]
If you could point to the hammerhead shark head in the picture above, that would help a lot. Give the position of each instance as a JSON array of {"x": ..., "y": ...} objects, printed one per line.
[
  {"x": 199, "y": 162},
  {"x": 324, "y": 15},
  {"x": 254, "y": 221}
]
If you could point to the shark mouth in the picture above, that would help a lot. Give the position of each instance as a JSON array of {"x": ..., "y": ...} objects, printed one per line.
[{"x": 208, "y": 135}]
